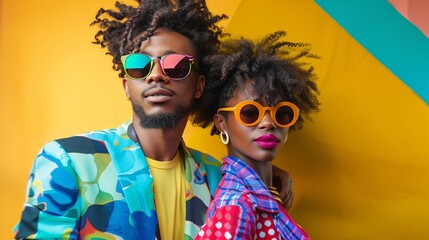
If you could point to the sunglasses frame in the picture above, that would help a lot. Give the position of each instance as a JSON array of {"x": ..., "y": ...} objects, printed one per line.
[
  {"x": 192, "y": 64},
  {"x": 237, "y": 108}
]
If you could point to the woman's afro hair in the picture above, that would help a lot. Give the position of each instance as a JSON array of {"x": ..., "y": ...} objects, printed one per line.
[{"x": 271, "y": 65}]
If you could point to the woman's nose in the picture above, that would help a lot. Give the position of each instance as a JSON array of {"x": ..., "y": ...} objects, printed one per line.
[{"x": 267, "y": 121}]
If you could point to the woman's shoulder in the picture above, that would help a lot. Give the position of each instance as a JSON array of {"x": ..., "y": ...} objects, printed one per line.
[{"x": 232, "y": 191}]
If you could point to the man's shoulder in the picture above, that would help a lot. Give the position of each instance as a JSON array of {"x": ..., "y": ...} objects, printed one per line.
[
  {"x": 85, "y": 143},
  {"x": 203, "y": 157},
  {"x": 82, "y": 144}
]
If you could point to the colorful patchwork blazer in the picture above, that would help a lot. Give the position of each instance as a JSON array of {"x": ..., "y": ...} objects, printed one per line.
[{"x": 98, "y": 185}]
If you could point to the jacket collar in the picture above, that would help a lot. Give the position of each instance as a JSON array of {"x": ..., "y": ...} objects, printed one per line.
[
  {"x": 261, "y": 196},
  {"x": 137, "y": 183}
]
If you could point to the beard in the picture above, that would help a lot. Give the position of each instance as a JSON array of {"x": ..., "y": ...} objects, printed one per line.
[{"x": 161, "y": 120}]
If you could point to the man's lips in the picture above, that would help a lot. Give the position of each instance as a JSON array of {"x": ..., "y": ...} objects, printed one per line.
[
  {"x": 267, "y": 141},
  {"x": 158, "y": 95}
]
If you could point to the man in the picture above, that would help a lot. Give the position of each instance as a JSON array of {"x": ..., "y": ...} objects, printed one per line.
[{"x": 138, "y": 181}]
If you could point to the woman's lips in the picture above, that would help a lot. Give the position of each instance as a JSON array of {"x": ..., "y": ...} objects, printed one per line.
[{"x": 267, "y": 141}]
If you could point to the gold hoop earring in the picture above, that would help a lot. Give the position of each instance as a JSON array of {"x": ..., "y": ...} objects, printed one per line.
[{"x": 225, "y": 140}]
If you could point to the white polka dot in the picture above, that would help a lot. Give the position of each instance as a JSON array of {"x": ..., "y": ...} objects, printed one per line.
[
  {"x": 271, "y": 232},
  {"x": 261, "y": 234},
  {"x": 201, "y": 233},
  {"x": 264, "y": 215},
  {"x": 273, "y": 238},
  {"x": 259, "y": 226},
  {"x": 228, "y": 235},
  {"x": 218, "y": 225},
  {"x": 267, "y": 223}
]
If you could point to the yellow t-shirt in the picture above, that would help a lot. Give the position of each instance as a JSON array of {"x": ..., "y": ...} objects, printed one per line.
[{"x": 169, "y": 189}]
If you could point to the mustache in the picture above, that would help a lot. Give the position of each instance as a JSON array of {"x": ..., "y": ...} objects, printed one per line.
[{"x": 160, "y": 86}]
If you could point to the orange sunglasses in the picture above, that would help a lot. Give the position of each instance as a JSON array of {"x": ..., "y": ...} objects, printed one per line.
[{"x": 249, "y": 113}]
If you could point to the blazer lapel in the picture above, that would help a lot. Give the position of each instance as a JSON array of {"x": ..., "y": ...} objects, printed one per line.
[
  {"x": 136, "y": 182},
  {"x": 197, "y": 194}
]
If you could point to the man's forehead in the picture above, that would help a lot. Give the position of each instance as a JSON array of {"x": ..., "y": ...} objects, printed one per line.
[{"x": 168, "y": 41}]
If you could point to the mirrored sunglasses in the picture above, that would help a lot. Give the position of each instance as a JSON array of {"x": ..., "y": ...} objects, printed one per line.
[{"x": 175, "y": 66}]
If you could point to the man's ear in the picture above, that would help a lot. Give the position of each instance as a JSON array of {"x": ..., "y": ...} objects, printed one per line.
[
  {"x": 219, "y": 122},
  {"x": 125, "y": 86},
  {"x": 201, "y": 82}
]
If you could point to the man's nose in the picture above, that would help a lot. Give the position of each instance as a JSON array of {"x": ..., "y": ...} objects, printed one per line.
[{"x": 157, "y": 74}]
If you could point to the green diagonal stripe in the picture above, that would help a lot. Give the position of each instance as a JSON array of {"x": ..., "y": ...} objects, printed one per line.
[{"x": 391, "y": 38}]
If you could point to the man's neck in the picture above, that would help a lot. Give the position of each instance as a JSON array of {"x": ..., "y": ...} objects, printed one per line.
[{"x": 159, "y": 144}]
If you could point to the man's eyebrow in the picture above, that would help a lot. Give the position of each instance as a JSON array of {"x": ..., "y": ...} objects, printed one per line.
[{"x": 165, "y": 53}]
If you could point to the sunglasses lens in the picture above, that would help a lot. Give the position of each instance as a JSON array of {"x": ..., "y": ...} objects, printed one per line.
[
  {"x": 249, "y": 114},
  {"x": 284, "y": 115},
  {"x": 176, "y": 66},
  {"x": 137, "y": 65}
]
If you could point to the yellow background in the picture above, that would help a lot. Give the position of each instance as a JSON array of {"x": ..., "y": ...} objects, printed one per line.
[{"x": 360, "y": 169}]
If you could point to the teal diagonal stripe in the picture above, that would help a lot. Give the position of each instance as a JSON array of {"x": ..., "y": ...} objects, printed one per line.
[{"x": 391, "y": 38}]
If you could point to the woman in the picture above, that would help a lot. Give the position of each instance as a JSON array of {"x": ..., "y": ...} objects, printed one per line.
[{"x": 262, "y": 91}]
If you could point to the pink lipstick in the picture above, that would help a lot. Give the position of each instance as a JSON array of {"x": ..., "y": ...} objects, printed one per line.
[{"x": 267, "y": 141}]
